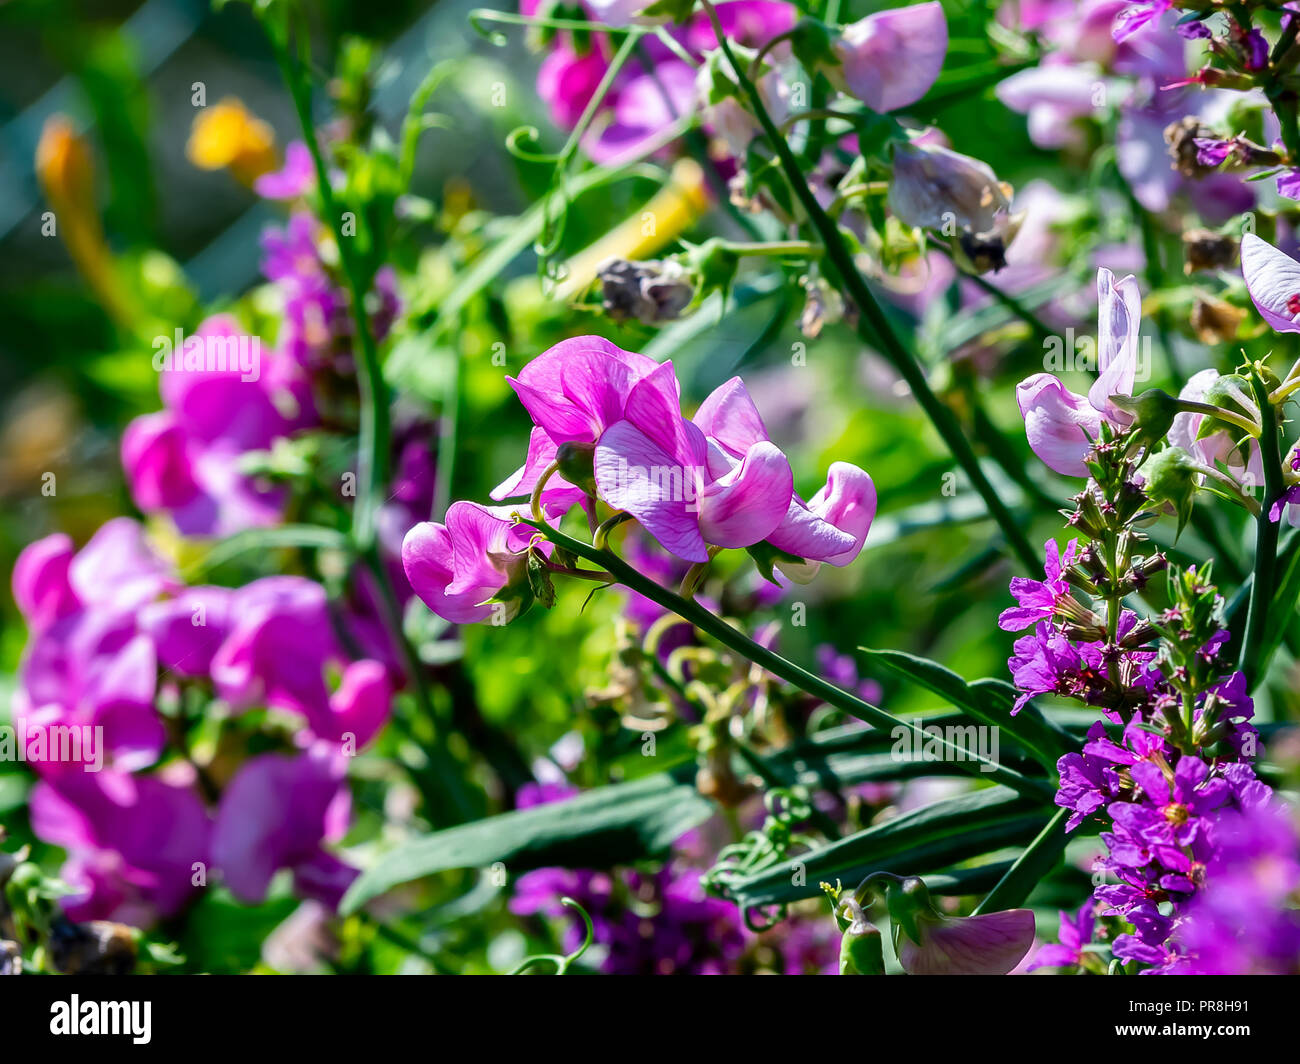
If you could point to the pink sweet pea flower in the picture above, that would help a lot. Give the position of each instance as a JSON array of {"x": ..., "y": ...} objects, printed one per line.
[
  {"x": 1273, "y": 280},
  {"x": 457, "y": 567},
  {"x": 991, "y": 944},
  {"x": 890, "y": 59},
  {"x": 41, "y": 587},
  {"x": 187, "y": 629},
  {"x": 831, "y": 527},
  {"x": 87, "y": 664},
  {"x": 92, "y": 670},
  {"x": 1061, "y": 424},
  {"x": 277, "y": 652},
  {"x": 132, "y": 843},
  {"x": 183, "y": 460},
  {"x": 573, "y": 391},
  {"x": 276, "y": 813},
  {"x": 687, "y": 492}
]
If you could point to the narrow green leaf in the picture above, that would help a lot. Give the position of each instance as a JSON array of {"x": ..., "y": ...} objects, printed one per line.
[
  {"x": 987, "y": 701},
  {"x": 1031, "y": 867},
  {"x": 605, "y": 826},
  {"x": 928, "y": 839}
]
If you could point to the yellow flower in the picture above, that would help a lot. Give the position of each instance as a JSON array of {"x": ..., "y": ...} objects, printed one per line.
[
  {"x": 65, "y": 170},
  {"x": 228, "y": 136}
]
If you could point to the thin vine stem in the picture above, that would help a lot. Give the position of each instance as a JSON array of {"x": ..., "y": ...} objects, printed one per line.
[{"x": 774, "y": 663}]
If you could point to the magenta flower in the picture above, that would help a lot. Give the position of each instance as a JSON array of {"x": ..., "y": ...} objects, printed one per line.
[
  {"x": 479, "y": 555},
  {"x": 277, "y": 813},
  {"x": 1075, "y": 936},
  {"x": 294, "y": 179},
  {"x": 1038, "y": 598},
  {"x": 1273, "y": 280},
  {"x": 832, "y": 526},
  {"x": 87, "y": 664},
  {"x": 134, "y": 843},
  {"x": 890, "y": 59},
  {"x": 184, "y": 460},
  {"x": 42, "y": 590},
  {"x": 653, "y": 90},
  {"x": 687, "y": 493},
  {"x": 574, "y": 391},
  {"x": 278, "y": 652},
  {"x": 1061, "y": 425},
  {"x": 1138, "y": 16},
  {"x": 187, "y": 628}
]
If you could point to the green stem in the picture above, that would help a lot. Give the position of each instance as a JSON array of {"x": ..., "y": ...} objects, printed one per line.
[
  {"x": 1266, "y": 533},
  {"x": 786, "y": 670},
  {"x": 873, "y": 327},
  {"x": 372, "y": 456}
]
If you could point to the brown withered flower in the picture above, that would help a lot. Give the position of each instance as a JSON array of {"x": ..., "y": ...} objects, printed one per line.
[{"x": 1204, "y": 249}]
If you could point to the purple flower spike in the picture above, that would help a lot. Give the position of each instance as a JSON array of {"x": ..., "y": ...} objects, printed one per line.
[
  {"x": 1075, "y": 934},
  {"x": 1038, "y": 598},
  {"x": 890, "y": 59}
]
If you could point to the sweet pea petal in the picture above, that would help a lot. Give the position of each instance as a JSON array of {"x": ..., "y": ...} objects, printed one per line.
[
  {"x": 1059, "y": 423},
  {"x": 746, "y": 505},
  {"x": 635, "y": 474},
  {"x": 729, "y": 416},
  {"x": 1273, "y": 280},
  {"x": 991, "y": 944},
  {"x": 890, "y": 59},
  {"x": 1119, "y": 317}
]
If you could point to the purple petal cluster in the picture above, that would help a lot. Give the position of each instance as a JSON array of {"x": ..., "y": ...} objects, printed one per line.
[
  {"x": 654, "y": 89},
  {"x": 114, "y": 633}
]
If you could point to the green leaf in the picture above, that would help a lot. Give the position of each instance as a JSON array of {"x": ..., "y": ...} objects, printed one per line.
[
  {"x": 263, "y": 539},
  {"x": 605, "y": 826},
  {"x": 988, "y": 701},
  {"x": 1031, "y": 867},
  {"x": 928, "y": 839}
]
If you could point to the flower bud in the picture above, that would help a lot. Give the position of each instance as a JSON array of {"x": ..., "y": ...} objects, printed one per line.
[
  {"x": 650, "y": 292},
  {"x": 576, "y": 462},
  {"x": 929, "y": 943},
  {"x": 861, "y": 945},
  {"x": 960, "y": 197},
  {"x": 1214, "y": 320},
  {"x": 1204, "y": 249},
  {"x": 1154, "y": 412},
  {"x": 99, "y": 947},
  {"x": 1171, "y": 477}
]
